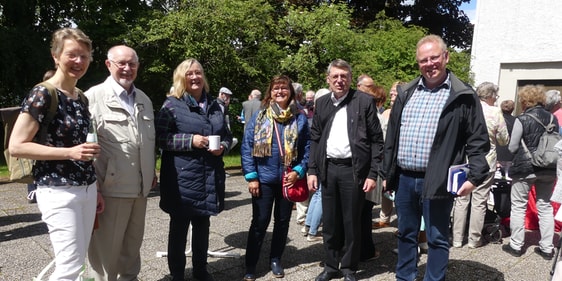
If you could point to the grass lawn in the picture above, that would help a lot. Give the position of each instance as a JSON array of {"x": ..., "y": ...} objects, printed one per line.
[
  {"x": 230, "y": 161},
  {"x": 4, "y": 171}
]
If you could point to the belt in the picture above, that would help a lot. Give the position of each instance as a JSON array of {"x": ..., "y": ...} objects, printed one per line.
[
  {"x": 340, "y": 161},
  {"x": 412, "y": 174}
]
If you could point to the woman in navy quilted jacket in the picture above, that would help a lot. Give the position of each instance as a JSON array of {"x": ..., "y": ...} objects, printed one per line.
[
  {"x": 192, "y": 177},
  {"x": 278, "y": 125}
]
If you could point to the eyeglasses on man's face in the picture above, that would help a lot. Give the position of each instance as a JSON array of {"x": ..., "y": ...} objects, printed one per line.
[
  {"x": 123, "y": 64},
  {"x": 431, "y": 59}
]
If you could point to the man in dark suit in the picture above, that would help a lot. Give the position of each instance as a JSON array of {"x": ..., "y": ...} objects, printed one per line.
[{"x": 346, "y": 166}]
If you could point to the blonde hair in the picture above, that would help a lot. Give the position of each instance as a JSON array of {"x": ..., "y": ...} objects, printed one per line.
[
  {"x": 531, "y": 95},
  {"x": 57, "y": 42},
  {"x": 179, "y": 80},
  {"x": 432, "y": 38}
]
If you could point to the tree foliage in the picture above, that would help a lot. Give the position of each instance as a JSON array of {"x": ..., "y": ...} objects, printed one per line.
[
  {"x": 313, "y": 38},
  {"x": 442, "y": 17},
  {"x": 241, "y": 43}
]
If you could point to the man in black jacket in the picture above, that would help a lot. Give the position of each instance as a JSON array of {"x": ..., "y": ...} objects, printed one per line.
[
  {"x": 436, "y": 121},
  {"x": 345, "y": 156}
]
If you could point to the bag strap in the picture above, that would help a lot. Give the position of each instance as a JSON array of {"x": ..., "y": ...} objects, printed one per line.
[
  {"x": 53, "y": 106},
  {"x": 539, "y": 121},
  {"x": 278, "y": 139},
  {"x": 44, "y": 126}
]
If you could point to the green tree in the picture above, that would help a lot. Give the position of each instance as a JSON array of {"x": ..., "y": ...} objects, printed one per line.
[
  {"x": 233, "y": 40},
  {"x": 241, "y": 43},
  {"x": 387, "y": 52},
  {"x": 441, "y": 17},
  {"x": 314, "y": 38},
  {"x": 25, "y": 33}
]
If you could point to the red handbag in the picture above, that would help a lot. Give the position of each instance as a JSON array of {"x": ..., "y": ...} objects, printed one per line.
[
  {"x": 299, "y": 191},
  {"x": 296, "y": 193}
]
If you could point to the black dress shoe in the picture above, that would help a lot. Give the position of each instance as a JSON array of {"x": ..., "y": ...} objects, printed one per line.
[
  {"x": 249, "y": 277},
  {"x": 203, "y": 276},
  {"x": 507, "y": 248},
  {"x": 546, "y": 256},
  {"x": 349, "y": 277},
  {"x": 326, "y": 276},
  {"x": 277, "y": 269}
]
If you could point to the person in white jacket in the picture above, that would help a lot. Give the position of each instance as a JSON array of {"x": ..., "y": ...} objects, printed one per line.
[{"x": 125, "y": 167}]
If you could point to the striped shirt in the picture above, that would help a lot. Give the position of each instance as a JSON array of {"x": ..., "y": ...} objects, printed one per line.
[{"x": 418, "y": 126}]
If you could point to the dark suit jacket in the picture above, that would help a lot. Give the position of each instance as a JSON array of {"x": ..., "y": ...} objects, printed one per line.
[
  {"x": 363, "y": 130},
  {"x": 250, "y": 107}
]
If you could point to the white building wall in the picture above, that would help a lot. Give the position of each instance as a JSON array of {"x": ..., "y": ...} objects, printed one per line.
[{"x": 508, "y": 34}]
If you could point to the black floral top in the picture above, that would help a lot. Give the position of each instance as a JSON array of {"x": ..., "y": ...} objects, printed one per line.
[{"x": 68, "y": 128}]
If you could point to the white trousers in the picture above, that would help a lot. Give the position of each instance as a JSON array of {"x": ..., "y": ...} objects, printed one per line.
[{"x": 69, "y": 213}]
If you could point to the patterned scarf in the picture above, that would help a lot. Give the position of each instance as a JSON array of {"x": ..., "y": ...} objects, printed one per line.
[{"x": 264, "y": 130}]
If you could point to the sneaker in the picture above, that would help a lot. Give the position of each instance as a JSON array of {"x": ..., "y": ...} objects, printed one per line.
[
  {"x": 457, "y": 244},
  {"x": 304, "y": 230},
  {"x": 544, "y": 255},
  {"x": 474, "y": 245},
  {"x": 31, "y": 198},
  {"x": 507, "y": 248},
  {"x": 314, "y": 238}
]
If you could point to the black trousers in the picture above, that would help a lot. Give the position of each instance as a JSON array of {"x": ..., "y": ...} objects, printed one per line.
[
  {"x": 177, "y": 240},
  {"x": 367, "y": 244},
  {"x": 342, "y": 203}
]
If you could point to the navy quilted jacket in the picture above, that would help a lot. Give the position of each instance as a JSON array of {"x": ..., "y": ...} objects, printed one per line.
[{"x": 192, "y": 180}]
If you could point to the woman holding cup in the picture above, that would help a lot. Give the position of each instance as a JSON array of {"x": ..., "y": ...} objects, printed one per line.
[{"x": 192, "y": 176}]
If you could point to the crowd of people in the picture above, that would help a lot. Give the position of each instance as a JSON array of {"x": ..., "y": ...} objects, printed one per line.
[{"x": 353, "y": 152}]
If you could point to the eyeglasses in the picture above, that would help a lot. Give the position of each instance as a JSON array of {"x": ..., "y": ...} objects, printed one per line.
[
  {"x": 75, "y": 56},
  {"x": 335, "y": 77},
  {"x": 123, "y": 64},
  {"x": 280, "y": 89},
  {"x": 432, "y": 59}
]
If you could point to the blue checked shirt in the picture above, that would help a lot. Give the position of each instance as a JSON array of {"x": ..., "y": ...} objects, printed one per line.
[{"x": 418, "y": 126}]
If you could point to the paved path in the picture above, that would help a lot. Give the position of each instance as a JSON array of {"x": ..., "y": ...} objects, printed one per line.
[{"x": 25, "y": 247}]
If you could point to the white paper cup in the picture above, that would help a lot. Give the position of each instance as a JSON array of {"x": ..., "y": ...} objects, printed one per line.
[{"x": 214, "y": 142}]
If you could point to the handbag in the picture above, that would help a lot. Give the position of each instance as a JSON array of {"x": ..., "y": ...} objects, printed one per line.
[
  {"x": 21, "y": 169},
  {"x": 298, "y": 192}
]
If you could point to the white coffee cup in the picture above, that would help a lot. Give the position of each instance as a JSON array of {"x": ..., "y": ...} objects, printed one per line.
[{"x": 214, "y": 142}]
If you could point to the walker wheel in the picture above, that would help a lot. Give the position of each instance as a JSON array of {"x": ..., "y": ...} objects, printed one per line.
[{"x": 493, "y": 234}]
